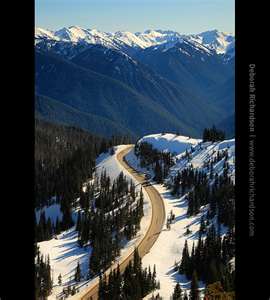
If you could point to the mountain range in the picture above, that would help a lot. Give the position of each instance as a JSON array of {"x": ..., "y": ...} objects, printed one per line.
[
  {"x": 219, "y": 41},
  {"x": 135, "y": 83}
]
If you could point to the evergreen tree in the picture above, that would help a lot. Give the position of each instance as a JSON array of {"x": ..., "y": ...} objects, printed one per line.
[
  {"x": 185, "y": 266},
  {"x": 77, "y": 275},
  {"x": 60, "y": 279},
  {"x": 202, "y": 226},
  {"x": 158, "y": 173},
  {"x": 194, "y": 289},
  {"x": 177, "y": 293},
  {"x": 78, "y": 225}
]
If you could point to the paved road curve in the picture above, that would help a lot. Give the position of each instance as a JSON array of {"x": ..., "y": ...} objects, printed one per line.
[{"x": 157, "y": 221}]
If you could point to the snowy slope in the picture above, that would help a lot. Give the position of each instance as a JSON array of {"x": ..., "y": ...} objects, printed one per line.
[
  {"x": 203, "y": 152},
  {"x": 64, "y": 255},
  {"x": 155, "y": 37},
  {"x": 53, "y": 212},
  {"x": 77, "y": 34},
  {"x": 221, "y": 42},
  {"x": 168, "y": 248},
  {"x": 64, "y": 251},
  {"x": 170, "y": 142},
  {"x": 43, "y": 33},
  {"x": 131, "y": 39}
]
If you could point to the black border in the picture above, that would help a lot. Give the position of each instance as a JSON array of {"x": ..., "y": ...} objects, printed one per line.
[
  {"x": 251, "y": 251},
  {"x": 17, "y": 159}
]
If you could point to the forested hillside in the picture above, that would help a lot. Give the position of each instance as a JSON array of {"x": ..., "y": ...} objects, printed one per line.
[
  {"x": 64, "y": 159},
  {"x": 108, "y": 213},
  {"x": 201, "y": 174}
]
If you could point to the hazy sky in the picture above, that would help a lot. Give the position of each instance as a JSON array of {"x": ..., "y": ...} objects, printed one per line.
[{"x": 184, "y": 16}]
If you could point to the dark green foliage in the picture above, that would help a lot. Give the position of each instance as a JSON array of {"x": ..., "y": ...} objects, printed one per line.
[
  {"x": 59, "y": 279},
  {"x": 194, "y": 288},
  {"x": 160, "y": 162},
  {"x": 213, "y": 134},
  {"x": 189, "y": 179},
  {"x": 134, "y": 284},
  {"x": 44, "y": 228},
  {"x": 158, "y": 173},
  {"x": 220, "y": 196},
  {"x": 106, "y": 230},
  {"x": 185, "y": 265},
  {"x": 77, "y": 276},
  {"x": 202, "y": 229},
  {"x": 196, "y": 183},
  {"x": 64, "y": 160},
  {"x": 43, "y": 280},
  {"x": 209, "y": 258},
  {"x": 177, "y": 293}
]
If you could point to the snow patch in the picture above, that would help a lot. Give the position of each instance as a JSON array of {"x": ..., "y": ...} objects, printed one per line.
[{"x": 170, "y": 142}]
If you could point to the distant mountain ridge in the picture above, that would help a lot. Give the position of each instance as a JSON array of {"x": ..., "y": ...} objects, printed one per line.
[{"x": 218, "y": 41}]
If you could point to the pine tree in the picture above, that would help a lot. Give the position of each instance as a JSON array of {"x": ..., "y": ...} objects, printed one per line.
[
  {"x": 177, "y": 293},
  {"x": 60, "y": 279},
  {"x": 77, "y": 275},
  {"x": 185, "y": 262},
  {"x": 194, "y": 288},
  {"x": 202, "y": 226},
  {"x": 78, "y": 225},
  {"x": 158, "y": 173},
  {"x": 73, "y": 290},
  {"x": 57, "y": 226}
]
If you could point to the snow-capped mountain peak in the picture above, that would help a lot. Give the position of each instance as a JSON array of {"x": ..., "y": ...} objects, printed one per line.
[
  {"x": 215, "y": 40},
  {"x": 44, "y": 33},
  {"x": 130, "y": 39}
]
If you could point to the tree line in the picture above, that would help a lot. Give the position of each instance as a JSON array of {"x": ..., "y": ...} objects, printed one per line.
[
  {"x": 43, "y": 280},
  {"x": 64, "y": 159},
  {"x": 110, "y": 214},
  {"x": 210, "y": 259},
  {"x": 134, "y": 283},
  {"x": 159, "y": 161},
  {"x": 213, "y": 134}
]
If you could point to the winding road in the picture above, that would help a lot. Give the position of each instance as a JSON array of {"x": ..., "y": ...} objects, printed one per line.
[{"x": 156, "y": 224}]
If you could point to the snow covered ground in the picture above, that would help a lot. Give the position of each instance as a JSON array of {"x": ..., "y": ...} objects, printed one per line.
[
  {"x": 168, "y": 248},
  {"x": 170, "y": 142},
  {"x": 64, "y": 256},
  {"x": 64, "y": 251},
  {"x": 53, "y": 212}
]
